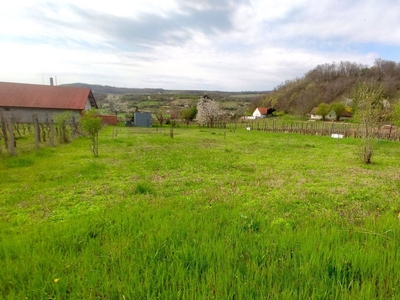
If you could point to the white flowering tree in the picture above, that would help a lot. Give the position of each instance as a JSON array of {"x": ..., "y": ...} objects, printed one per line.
[
  {"x": 114, "y": 105},
  {"x": 208, "y": 112}
]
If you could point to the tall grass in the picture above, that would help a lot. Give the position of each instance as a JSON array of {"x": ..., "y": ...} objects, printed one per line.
[{"x": 245, "y": 215}]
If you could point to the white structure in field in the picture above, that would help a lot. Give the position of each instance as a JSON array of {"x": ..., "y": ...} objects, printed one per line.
[{"x": 260, "y": 112}]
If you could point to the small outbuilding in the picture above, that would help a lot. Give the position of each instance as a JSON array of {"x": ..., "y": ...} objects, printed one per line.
[
  {"x": 108, "y": 119},
  {"x": 142, "y": 119}
]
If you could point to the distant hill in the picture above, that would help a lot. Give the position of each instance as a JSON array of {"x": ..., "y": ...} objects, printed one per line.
[
  {"x": 152, "y": 100},
  {"x": 328, "y": 83},
  {"x": 106, "y": 89}
]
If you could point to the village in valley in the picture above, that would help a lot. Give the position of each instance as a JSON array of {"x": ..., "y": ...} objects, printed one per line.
[{"x": 24, "y": 104}]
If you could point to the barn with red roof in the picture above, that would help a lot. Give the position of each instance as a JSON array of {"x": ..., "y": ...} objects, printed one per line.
[{"x": 24, "y": 100}]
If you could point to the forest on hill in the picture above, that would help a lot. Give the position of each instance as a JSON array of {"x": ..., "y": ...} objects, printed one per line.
[{"x": 328, "y": 83}]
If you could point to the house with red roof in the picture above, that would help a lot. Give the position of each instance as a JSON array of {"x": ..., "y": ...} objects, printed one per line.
[
  {"x": 22, "y": 101},
  {"x": 260, "y": 112}
]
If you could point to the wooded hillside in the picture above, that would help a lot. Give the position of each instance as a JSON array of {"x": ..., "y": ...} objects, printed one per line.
[{"x": 328, "y": 83}]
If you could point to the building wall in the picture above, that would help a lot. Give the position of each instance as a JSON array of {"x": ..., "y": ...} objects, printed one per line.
[
  {"x": 88, "y": 106},
  {"x": 257, "y": 114},
  {"x": 108, "y": 119},
  {"x": 142, "y": 119},
  {"x": 315, "y": 117},
  {"x": 25, "y": 115}
]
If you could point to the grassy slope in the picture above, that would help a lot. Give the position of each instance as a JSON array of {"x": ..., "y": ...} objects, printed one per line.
[{"x": 249, "y": 215}]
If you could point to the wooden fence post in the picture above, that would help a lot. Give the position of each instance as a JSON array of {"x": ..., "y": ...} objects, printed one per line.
[
  {"x": 11, "y": 143},
  {"x": 4, "y": 129},
  {"x": 52, "y": 133},
  {"x": 36, "y": 130}
]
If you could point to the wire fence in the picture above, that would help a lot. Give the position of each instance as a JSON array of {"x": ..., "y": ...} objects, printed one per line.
[
  {"x": 40, "y": 134},
  {"x": 327, "y": 128}
]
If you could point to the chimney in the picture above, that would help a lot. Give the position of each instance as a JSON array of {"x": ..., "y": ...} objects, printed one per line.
[{"x": 51, "y": 81}]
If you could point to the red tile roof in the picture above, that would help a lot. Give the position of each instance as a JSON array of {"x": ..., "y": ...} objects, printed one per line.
[
  {"x": 44, "y": 96},
  {"x": 346, "y": 114},
  {"x": 263, "y": 110}
]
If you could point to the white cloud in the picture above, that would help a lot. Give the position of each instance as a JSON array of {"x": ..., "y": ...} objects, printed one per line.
[{"x": 227, "y": 45}]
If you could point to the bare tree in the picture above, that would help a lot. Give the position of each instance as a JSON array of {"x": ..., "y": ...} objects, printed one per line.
[
  {"x": 160, "y": 117},
  {"x": 208, "y": 112},
  {"x": 304, "y": 100},
  {"x": 369, "y": 111}
]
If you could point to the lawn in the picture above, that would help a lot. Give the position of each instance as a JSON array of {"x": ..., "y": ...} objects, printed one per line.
[{"x": 210, "y": 213}]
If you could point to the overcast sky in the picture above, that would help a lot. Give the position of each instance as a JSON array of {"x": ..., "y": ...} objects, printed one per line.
[{"x": 231, "y": 45}]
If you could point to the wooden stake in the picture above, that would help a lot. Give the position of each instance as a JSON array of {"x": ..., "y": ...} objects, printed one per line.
[
  {"x": 36, "y": 130},
  {"x": 52, "y": 133},
  {"x": 11, "y": 143}
]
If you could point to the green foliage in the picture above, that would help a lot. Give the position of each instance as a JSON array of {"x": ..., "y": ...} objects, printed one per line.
[
  {"x": 91, "y": 125},
  {"x": 143, "y": 188},
  {"x": 268, "y": 100},
  {"x": 323, "y": 109},
  {"x": 339, "y": 108},
  {"x": 189, "y": 114},
  {"x": 17, "y": 162},
  {"x": 396, "y": 113}
]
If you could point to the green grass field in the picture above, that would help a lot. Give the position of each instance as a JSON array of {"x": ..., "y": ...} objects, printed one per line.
[{"x": 208, "y": 214}]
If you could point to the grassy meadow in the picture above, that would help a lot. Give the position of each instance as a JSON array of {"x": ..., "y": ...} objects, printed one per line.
[{"x": 208, "y": 214}]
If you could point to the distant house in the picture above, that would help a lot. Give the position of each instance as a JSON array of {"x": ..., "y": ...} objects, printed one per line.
[
  {"x": 24, "y": 100},
  {"x": 260, "y": 112},
  {"x": 330, "y": 116},
  {"x": 314, "y": 116}
]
